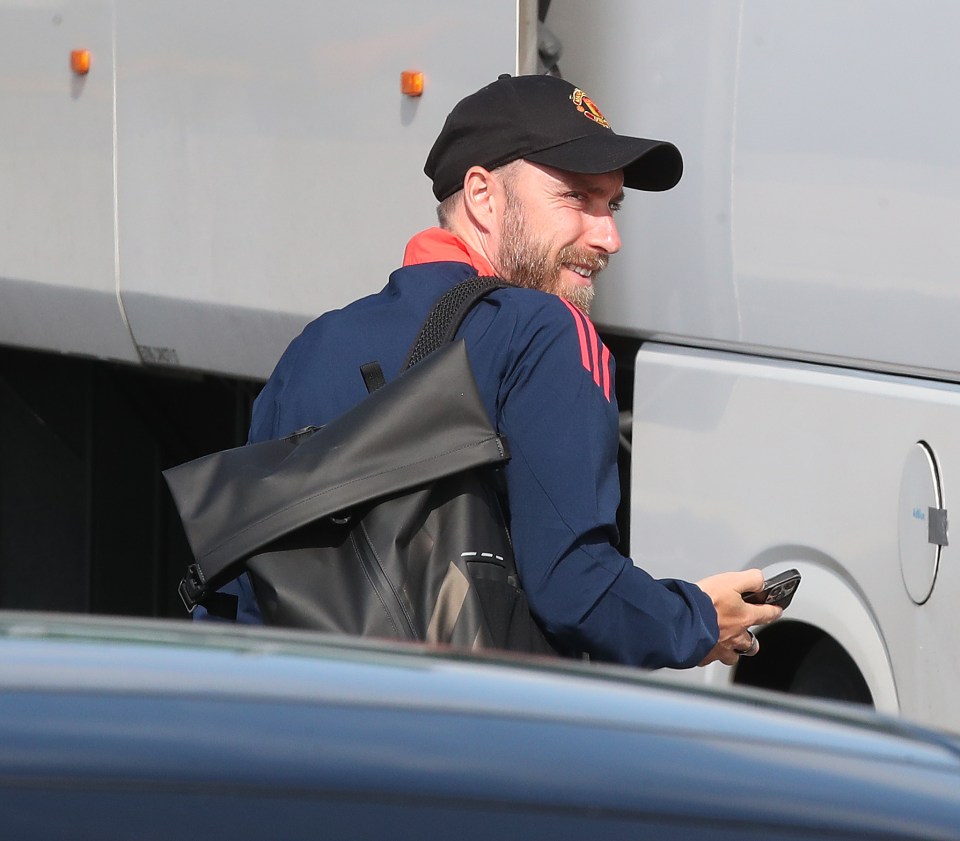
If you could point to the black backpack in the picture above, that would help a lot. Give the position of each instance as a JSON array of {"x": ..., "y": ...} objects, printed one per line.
[{"x": 386, "y": 522}]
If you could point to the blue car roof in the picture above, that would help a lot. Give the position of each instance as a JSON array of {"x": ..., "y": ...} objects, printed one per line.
[{"x": 176, "y": 705}]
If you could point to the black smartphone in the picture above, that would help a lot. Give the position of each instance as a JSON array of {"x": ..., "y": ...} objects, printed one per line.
[{"x": 778, "y": 590}]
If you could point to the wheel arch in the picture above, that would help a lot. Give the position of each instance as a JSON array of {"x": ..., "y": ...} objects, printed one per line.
[{"x": 828, "y": 605}]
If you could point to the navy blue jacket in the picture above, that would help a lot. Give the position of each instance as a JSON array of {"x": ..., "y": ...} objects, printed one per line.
[{"x": 547, "y": 381}]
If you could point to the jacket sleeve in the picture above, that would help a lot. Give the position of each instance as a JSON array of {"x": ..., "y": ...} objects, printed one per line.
[
  {"x": 558, "y": 411},
  {"x": 248, "y": 611}
]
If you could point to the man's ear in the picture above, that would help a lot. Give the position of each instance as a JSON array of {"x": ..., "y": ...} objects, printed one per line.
[{"x": 482, "y": 198}]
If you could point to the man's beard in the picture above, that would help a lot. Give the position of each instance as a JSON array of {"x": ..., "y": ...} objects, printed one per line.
[{"x": 524, "y": 261}]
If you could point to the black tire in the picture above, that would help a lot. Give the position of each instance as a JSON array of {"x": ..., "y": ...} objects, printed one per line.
[{"x": 827, "y": 671}]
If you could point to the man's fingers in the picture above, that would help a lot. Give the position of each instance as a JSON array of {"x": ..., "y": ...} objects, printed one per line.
[
  {"x": 729, "y": 658},
  {"x": 723, "y": 653},
  {"x": 750, "y": 647},
  {"x": 764, "y": 614}
]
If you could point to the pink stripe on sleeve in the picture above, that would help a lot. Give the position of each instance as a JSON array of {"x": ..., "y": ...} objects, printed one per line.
[
  {"x": 606, "y": 372},
  {"x": 578, "y": 319}
]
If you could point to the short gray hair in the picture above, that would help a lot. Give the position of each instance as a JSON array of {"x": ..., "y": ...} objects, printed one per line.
[{"x": 447, "y": 207}]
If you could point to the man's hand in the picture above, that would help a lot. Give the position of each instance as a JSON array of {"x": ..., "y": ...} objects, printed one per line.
[{"x": 735, "y": 616}]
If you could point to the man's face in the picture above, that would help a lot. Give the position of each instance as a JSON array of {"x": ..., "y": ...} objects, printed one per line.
[{"x": 557, "y": 230}]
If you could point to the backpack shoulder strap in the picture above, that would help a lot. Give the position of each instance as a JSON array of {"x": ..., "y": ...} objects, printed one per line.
[{"x": 447, "y": 315}]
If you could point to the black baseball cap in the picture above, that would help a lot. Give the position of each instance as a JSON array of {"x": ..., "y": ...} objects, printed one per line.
[{"x": 548, "y": 121}]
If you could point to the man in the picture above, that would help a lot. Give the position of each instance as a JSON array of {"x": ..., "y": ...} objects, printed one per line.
[{"x": 529, "y": 175}]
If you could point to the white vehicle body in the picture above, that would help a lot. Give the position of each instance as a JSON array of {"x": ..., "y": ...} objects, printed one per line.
[
  {"x": 228, "y": 170},
  {"x": 799, "y": 403},
  {"x": 224, "y": 172}
]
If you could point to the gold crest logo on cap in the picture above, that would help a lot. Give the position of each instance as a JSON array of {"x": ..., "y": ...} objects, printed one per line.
[{"x": 587, "y": 107}]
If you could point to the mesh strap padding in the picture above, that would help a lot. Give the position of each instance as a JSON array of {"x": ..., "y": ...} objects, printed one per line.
[{"x": 447, "y": 315}]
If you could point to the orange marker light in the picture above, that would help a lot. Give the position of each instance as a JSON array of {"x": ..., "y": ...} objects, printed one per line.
[
  {"x": 411, "y": 82},
  {"x": 80, "y": 62}
]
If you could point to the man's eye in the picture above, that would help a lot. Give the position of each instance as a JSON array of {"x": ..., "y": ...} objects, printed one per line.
[{"x": 615, "y": 206}]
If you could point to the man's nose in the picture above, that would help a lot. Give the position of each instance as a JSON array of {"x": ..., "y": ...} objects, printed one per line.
[{"x": 603, "y": 235}]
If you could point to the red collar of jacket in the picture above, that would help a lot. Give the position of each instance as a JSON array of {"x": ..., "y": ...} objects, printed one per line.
[{"x": 435, "y": 245}]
